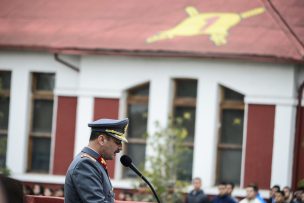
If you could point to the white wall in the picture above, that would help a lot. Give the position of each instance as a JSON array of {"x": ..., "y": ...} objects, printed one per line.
[
  {"x": 22, "y": 64},
  {"x": 109, "y": 77},
  {"x": 252, "y": 79},
  {"x": 257, "y": 81}
]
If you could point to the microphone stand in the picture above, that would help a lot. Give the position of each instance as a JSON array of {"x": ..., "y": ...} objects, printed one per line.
[
  {"x": 154, "y": 193},
  {"x": 146, "y": 181},
  {"x": 127, "y": 162}
]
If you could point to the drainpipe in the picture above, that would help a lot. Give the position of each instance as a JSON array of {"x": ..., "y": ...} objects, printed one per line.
[
  {"x": 73, "y": 67},
  {"x": 297, "y": 140}
]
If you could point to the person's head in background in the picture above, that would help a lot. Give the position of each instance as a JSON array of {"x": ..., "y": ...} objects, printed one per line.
[
  {"x": 197, "y": 183},
  {"x": 288, "y": 193},
  {"x": 222, "y": 188},
  {"x": 297, "y": 195},
  {"x": 48, "y": 192},
  {"x": 251, "y": 191},
  {"x": 274, "y": 189},
  {"x": 27, "y": 190},
  {"x": 38, "y": 189},
  {"x": 279, "y": 196},
  {"x": 59, "y": 192},
  {"x": 302, "y": 196},
  {"x": 229, "y": 188}
]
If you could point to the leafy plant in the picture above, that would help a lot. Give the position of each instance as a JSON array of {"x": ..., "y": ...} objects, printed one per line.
[
  {"x": 301, "y": 184},
  {"x": 169, "y": 150},
  {"x": 5, "y": 171}
]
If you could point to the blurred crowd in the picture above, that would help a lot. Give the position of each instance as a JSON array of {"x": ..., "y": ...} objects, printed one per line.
[
  {"x": 286, "y": 195},
  {"x": 14, "y": 190},
  {"x": 38, "y": 189},
  {"x": 225, "y": 195}
]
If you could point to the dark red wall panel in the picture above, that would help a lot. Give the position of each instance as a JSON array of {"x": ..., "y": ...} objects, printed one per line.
[
  {"x": 65, "y": 134},
  {"x": 259, "y": 145},
  {"x": 107, "y": 108},
  {"x": 300, "y": 160}
]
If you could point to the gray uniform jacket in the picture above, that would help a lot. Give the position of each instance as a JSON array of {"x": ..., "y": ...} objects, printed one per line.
[{"x": 87, "y": 181}]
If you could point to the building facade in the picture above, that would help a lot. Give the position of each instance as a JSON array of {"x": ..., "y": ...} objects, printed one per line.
[
  {"x": 238, "y": 90},
  {"x": 244, "y": 113}
]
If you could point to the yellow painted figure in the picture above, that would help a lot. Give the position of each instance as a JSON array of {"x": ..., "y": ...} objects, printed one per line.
[{"x": 216, "y": 25}]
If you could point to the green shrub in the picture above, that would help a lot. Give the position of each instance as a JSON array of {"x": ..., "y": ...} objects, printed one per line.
[{"x": 169, "y": 149}]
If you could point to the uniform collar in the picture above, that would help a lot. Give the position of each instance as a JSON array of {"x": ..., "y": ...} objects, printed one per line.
[
  {"x": 91, "y": 152},
  {"x": 95, "y": 155}
]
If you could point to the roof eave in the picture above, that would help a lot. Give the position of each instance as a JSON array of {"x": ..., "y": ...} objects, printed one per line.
[{"x": 156, "y": 53}]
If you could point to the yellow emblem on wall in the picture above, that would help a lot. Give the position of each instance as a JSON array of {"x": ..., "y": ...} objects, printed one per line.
[{"x": 216, "y": 25}]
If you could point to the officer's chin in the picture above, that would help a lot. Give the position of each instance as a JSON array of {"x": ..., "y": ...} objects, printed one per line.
[{"x": 113, "y": 156}]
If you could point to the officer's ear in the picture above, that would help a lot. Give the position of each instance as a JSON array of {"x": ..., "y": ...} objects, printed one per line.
[{"x": 101, "y": 139}]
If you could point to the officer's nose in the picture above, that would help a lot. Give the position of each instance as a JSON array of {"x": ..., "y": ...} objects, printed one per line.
[{"x": 120, "y": 146}]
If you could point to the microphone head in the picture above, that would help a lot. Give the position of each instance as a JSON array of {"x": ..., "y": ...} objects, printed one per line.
[{"x": 125, "y": 160}]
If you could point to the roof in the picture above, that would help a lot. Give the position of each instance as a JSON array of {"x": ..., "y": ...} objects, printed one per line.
[{"x": 249, "y": 29}]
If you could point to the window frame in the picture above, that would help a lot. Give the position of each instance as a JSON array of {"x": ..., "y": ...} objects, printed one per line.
[
  {"x": 6, "y": 93},
  {"x": 130, "y": 100},
  {"x": 185, "y": 102},
  {"x": 37, "y": 94},
  {"x": 226, "y": 104}
]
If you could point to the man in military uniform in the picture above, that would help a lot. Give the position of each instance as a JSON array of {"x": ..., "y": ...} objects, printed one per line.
[{"x": 87, "y": 178}]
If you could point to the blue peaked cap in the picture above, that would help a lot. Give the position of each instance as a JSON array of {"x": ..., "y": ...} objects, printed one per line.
[{"x": 112, "y": 127}]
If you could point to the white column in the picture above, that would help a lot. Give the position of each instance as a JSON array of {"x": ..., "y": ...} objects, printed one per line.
[
  {"x": 159, "y": 102},
  {"x": 282, "y": 158},
  {"x": 17, "y": 143},
  {"x": 204, "y": 159},
  {"x": 85, "y": 108},
  {"x": 159, "y": 106}
]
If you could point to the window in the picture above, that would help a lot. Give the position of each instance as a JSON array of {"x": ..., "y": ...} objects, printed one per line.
[
  {"x": 5, "y": 84},
  {"x": 184, "y": 106},
  {"x": 137, "y": 110},
  {"x": 41, "y": 122},
  {"x": 230, "y": 136}
]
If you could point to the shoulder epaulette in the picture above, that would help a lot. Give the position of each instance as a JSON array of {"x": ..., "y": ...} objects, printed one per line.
[{"x": 88, "y": 156}]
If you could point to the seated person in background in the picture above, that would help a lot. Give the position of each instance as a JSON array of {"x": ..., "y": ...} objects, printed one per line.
[
  {"x": 279, "y": 197},
  {"x": 297, "y": 196},
  {"x": 222, "y": 197},
  {"x": 288, "y": 194},
  {"x": 197, "y": 195},
  {"x": 38, "y": 189},
  {"x": 251, "y": 194},
  {"x": 229, "y": 188},
  {"x": 273, "y": 190},
  {"x": 125, "y": 196},
  {"x": 11, "y": 190},
  {"x": 27, "y": 190},
  {"x": 59, "y": 192},
  {"x": 48, "y": 192}
]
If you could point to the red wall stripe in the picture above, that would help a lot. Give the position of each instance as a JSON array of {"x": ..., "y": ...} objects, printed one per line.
[
  {"x": 107, "y": 108},
  {"x": 300, "y": 164},
  {"x": 65, "y": 134},
  {"x": 259, "y": 145}
]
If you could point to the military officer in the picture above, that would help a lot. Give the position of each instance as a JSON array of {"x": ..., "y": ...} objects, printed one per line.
[{"x": 87, "y": 178}]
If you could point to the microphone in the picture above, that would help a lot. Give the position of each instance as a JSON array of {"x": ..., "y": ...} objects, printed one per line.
[{"x": 127, "y": 162}]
